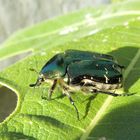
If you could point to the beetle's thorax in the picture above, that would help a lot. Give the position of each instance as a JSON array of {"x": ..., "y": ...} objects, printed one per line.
[{"x": 54, "y": 68}]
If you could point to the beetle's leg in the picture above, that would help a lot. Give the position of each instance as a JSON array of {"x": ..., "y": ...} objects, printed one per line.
[
  {"x": 111, "y": 93},
  {"x": 67, "y": 69},
  {"x": 52, "y": 89},
  {"x": 67, "y": 88},
  {"x": 106, "y": 92},
  {"x": 72, "y": 102},
  {"x": 68, "y": 82}
]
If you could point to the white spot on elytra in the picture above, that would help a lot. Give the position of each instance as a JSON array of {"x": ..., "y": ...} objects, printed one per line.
[
  {"x": 68, "y": 30},
  {"x": 113, "y": 66},
  {"x": 106, "y": 79},
  {"x": 84, "y": 77},
  {"x": 119, "y": 79},
  {"x": 91, "y": 78},
  {"x": 106, "y": 71}
]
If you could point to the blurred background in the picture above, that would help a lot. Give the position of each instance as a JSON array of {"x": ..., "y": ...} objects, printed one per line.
[{"x": 17, "y": 14}]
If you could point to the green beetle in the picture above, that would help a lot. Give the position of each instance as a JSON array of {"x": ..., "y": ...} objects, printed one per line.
[{"x": 82, "y": 70}]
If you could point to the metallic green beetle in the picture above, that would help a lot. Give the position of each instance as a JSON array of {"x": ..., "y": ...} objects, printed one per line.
[{"x": 82, "y": 70}]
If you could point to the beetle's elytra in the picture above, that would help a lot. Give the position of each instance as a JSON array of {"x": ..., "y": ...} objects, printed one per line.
[{"x": 88, "y": 71}]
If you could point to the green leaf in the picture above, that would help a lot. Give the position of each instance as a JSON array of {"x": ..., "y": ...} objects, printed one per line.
[
  {"x": 70, "y": 27},
  {"x": 114, "y": 30}
]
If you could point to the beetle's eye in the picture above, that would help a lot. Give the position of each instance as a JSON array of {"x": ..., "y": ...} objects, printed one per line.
[{"x": 42, "y": 79}]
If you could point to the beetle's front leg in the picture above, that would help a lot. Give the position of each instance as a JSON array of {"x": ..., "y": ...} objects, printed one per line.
[{"x": 51, "y": 90}]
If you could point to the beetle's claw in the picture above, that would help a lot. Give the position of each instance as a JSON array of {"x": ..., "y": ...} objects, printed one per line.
[
  {"x": 44, "y": 97},
  {"x": 32, "y": 85},
  {"x": 32, "y": 69},
  {"x": 127, "y": 94}
]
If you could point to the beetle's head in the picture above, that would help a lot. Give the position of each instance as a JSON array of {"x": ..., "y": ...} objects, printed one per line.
[
  {"x": 39, "y": 81},
  {"x": 53, "y": 69}
]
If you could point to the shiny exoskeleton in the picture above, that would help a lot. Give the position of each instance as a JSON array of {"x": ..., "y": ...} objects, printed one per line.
[{"x": 82, "y": 70}]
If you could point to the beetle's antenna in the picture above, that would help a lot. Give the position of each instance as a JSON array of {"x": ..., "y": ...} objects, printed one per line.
[
  {"x": 32, "y": 69},
  {"x": 36, "y": 64}
]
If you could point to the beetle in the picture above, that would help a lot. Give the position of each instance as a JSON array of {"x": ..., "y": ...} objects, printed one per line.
[{"x": 82, "y": 70}]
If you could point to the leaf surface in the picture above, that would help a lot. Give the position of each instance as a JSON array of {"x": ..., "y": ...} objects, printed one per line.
[{"x": 113, "y": 30}]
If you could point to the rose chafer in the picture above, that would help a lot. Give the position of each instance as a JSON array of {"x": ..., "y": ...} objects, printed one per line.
[{"x": 82, "y": 70}]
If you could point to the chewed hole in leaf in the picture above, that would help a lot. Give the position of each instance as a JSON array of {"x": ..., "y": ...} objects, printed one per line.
[{"x": 8, "y": 102}]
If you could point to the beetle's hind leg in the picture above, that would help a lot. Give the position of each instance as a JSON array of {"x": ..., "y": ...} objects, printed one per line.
[
  {"x": 105, "y": 92},
  {"x": 110, "y": 93}
]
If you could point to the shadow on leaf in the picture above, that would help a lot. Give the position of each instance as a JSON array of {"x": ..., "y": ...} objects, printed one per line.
[
  {"x": 16, "y": 136},
  {"x": 124, "y": 57},
  {"x": 121, "y": 123},
  {"x": 46, "y": 120}
]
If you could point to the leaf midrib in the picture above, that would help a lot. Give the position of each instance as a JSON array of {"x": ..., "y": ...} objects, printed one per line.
[{"x": 109, "y": 99}]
